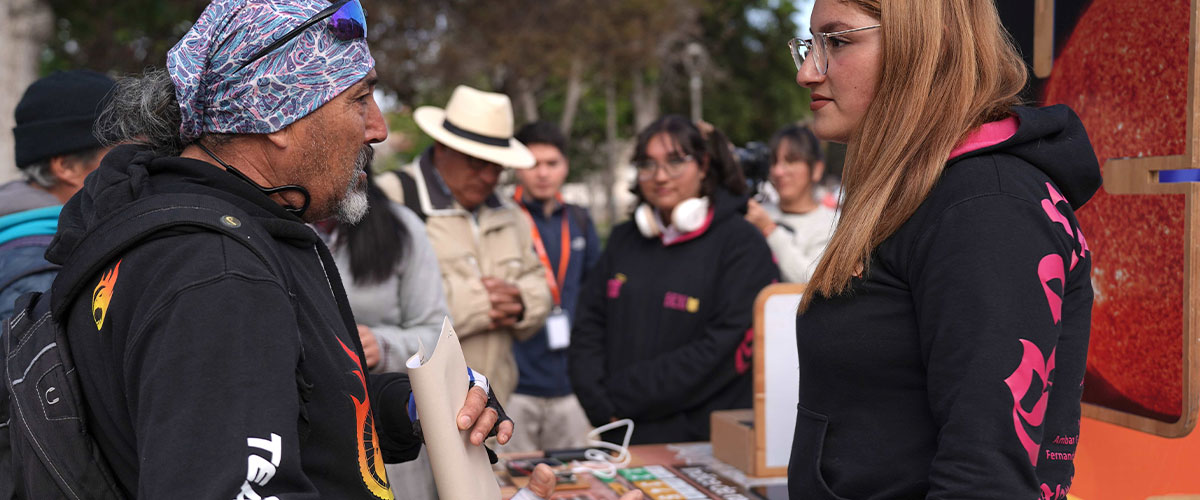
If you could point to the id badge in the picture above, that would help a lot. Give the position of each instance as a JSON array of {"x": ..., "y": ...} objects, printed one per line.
[{"x": 558, "y": 330}]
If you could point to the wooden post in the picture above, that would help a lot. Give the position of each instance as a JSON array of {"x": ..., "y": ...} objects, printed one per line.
[
  {"x": 25, "y": 25},
  {"x": 1043, "y": 38}
]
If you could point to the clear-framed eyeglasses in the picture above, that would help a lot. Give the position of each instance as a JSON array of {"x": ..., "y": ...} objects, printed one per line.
[
  {"x": 646, "y": 167},
  {"x": 818, "y": 47}
]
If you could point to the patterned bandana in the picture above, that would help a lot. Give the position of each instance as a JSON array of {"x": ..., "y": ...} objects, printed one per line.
[{"x": 271, "y": 93}]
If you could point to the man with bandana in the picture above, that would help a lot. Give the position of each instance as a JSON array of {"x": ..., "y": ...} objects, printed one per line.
[{"x": 213, "y": 368}]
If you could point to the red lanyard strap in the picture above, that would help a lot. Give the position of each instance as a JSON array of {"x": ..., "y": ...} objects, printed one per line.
[{"x": 556, "y": 284}]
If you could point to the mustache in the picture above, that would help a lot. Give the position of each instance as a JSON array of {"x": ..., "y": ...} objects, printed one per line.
[{"x": 366, "y": 155}]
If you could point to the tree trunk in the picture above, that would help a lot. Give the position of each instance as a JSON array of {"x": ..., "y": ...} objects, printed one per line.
[
  {"x": 526, "y": 101},
  {"x": 25, "y": 25},
  {"x": 574, "y": 95},
  {"x": 612, "y": 148},
  {"x": 645, "y": 101}
]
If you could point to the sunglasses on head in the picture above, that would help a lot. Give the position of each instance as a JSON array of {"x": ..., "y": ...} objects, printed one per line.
[{"x": 347, "y": 21}]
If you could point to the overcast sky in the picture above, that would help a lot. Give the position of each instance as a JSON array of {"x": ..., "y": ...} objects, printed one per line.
[{"x": 805, "y": 7}]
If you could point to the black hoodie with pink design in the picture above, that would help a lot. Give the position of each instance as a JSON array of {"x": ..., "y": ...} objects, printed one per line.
[
  {"x": 663, "y": 332},
  {"x": 954, "y": 368}
]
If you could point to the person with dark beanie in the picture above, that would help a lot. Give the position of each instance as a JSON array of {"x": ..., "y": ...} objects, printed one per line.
[{"x": 55, "y": 150}]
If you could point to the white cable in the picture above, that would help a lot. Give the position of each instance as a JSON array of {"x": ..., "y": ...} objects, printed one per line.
[{"x": 599, "y": 462}]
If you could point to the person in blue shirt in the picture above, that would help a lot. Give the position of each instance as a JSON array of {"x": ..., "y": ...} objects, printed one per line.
[{"x": 547, "y": 413}]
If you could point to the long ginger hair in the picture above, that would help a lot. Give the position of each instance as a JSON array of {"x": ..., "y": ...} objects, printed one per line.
[{"x": 947, "y": 67}]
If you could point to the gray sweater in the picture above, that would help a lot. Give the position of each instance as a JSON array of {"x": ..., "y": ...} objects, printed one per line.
[{"x": 406, "y": 308}]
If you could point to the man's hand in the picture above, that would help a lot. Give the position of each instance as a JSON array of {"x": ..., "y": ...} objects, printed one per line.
[
  {"x": 542, "y": 481},
  {"x": 370, "y": 345},
  {"x": 475, "y": 415},
  {"x": 758, "y": 216},
  {"x": 507, "y": 306}
]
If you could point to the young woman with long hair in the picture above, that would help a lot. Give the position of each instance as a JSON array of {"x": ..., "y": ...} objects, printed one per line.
[
  {"x": 663, "y": 327},
  {"x": 943, "y": 336},
  {"x": 799, "y": 228}
]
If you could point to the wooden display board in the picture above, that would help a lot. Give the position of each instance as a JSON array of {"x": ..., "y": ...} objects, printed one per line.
[
  {"x": 776, "y": 376},
  {"x": 1140, "y": 176},
  {"x": 1129, "y": 69}
]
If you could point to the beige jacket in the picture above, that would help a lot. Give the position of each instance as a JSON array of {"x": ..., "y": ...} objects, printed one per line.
[{"x": 495, "y": 242}]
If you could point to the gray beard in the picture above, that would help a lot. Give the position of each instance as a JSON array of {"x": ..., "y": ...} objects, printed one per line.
[
  {"x": 354, "y": 204},
  {"x": 353, "y": 207}
]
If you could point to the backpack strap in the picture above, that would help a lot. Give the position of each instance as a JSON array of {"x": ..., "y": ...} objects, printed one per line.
[
  {"x": 151, "y": 215},
  {"x": 52, "y": 454},
  {"x": 401, "y": 187},
  {"x": 411, "y": 198}
]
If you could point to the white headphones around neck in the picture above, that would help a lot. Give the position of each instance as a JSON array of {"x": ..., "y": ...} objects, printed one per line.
[{"x": 689, "y": 215}]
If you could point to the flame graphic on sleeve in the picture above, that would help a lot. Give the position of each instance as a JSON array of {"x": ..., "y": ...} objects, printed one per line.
[
  {"x": 370, "y": 457},
  {"x": 102, "y": 295}
]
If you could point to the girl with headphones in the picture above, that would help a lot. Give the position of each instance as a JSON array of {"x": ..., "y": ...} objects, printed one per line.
[{"x": 663, "y": 327}]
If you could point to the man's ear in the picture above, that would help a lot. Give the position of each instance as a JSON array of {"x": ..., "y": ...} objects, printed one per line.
[
  {"x": 68, "y": 172},
  {"x": 818, "y": 171},
  {"x": 281, "y": 138}
]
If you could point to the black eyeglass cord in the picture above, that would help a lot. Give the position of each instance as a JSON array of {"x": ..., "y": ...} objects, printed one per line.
[
  {"x": 298, "y": 212},
  {"x": 287, "y": 37}
]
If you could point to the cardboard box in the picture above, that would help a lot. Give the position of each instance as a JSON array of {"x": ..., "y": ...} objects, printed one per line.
[
  {"x": 734, "y": 442},
  {"x": 733, "y": 438}
]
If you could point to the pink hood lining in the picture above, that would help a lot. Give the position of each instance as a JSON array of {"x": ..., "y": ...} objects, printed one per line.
[{"x": 988, "y": 134}]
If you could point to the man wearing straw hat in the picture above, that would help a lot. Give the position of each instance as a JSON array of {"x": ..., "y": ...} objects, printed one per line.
[{"x": 495, "y": 284}]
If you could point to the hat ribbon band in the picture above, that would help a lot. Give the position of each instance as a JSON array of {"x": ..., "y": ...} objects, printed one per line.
[{"x": 467, "y": 134}]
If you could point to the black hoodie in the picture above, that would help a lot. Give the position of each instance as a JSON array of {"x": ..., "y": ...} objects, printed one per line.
[
  {"x": 663, "y": 333},
  {"x": 205, "y": 374},
  {"x": 955, "y": 368}
]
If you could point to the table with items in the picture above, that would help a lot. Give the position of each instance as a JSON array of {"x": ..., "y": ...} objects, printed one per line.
[{"x": 662, "y": 472}]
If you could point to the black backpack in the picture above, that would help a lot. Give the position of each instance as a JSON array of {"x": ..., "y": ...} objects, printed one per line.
[{"x": 46, "y": 451}]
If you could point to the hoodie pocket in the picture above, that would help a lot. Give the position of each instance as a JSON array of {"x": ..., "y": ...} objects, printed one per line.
[{"x": 804, "y": 468}]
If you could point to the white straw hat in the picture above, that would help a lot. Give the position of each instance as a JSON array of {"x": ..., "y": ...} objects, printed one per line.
[{"x": 476, "y": 123}]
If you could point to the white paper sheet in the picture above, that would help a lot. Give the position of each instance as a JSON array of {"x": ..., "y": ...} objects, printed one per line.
[{"x": 439, "y": 383}]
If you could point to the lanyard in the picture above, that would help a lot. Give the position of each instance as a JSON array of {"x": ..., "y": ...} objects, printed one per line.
[{"x": 556, "y": 284}]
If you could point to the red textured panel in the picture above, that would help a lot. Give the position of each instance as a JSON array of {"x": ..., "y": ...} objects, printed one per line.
[{"x": 1124, "y": 70}]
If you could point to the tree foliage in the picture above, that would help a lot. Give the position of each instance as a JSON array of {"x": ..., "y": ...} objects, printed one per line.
[
  {"x": 121, "y": 36},
  {"x": 557, "y": 58},
  {"x": 752, "y": 91}
]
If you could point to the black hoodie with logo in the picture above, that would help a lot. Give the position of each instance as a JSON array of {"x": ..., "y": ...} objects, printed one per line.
[
  {"x": 662, "y": 332},
  {"x": 954, "y": 368},
  {"x": 205, "y": 373}
]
